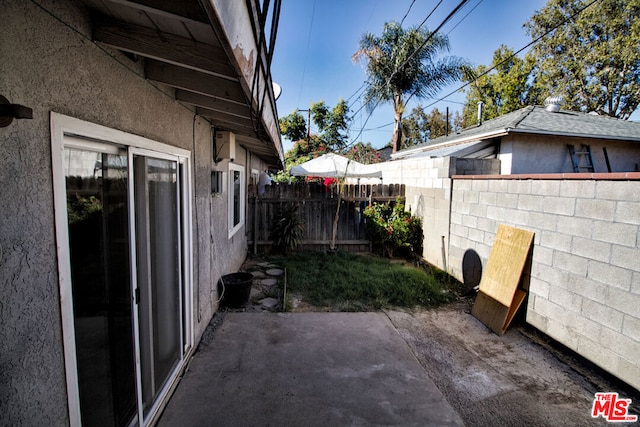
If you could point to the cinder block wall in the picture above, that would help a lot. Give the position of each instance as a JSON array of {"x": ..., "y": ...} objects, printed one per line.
[
  {"x": 585, "y": 274},
  {"x": 428, "y": 194}
]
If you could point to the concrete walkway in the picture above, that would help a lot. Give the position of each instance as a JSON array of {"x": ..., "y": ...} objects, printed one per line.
[{"x": 306, "y": 369}]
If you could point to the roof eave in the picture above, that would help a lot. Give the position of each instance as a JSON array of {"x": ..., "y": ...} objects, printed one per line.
[
  {"x": 496, "y": 133},
  {"x": 573, "y": 134}
]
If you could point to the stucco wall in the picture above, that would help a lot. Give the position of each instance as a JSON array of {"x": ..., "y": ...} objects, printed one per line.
[
  {"x": 549, "y": 154},
  {"x": 585, "y": 274},
  {"x": 48, "y": 66}
]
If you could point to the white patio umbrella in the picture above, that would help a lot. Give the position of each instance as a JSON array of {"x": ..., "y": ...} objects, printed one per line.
[{"x": 333, "y": 165}]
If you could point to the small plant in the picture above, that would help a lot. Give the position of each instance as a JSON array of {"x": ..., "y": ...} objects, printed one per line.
[
  {"x": 288, "y": 228},
  {"x": 390, "y": 227}
]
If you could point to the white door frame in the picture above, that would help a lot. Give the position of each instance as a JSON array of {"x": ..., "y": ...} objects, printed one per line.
[{"x": 72, "y": 132}]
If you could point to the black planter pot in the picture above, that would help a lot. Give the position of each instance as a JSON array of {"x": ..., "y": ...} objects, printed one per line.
[{"x": 236, "y": 288}]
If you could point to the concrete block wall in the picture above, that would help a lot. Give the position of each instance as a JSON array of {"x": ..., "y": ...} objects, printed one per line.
[
  {"x": 428, "y": 194},
  {"x": 585, "y": 275}
]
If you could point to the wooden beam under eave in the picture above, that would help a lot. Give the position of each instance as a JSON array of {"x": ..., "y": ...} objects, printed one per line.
[
  {"x": 165, "y": 47},
  {"x": 243, "y": 125},
  {"x": 194, "y": 81},
  {"x": 187, "y": 9},
  {"x": 213, "y": 103}
]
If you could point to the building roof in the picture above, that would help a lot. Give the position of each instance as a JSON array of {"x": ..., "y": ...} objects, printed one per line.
[
  {"x": 529, "y": 120},
  {"x": 208, "y": 53}
]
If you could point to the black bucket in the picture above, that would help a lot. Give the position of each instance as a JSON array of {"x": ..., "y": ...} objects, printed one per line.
[{"x": 236, "y": 288}]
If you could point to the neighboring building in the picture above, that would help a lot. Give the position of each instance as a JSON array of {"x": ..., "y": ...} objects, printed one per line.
[
  {"x": 517, "y": 169},
  {"x": 537, "y": 140},
  {"x": 124, "y": 196}
]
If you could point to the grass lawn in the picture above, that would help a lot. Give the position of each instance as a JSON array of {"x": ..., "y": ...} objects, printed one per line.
[{"x": 349, "y": 282}]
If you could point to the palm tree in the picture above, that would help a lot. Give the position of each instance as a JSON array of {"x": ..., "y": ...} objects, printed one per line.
[{"x": 402, "y": 64}]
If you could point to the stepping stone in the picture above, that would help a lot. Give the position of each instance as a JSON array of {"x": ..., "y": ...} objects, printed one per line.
[
  {"x": 257, "y": 273},
  {"x": 269, "y": 282},
  {"x": 266, "y": 264},
  {"x": 269, "y": 302},
  {"x": 275, "y": 272}
]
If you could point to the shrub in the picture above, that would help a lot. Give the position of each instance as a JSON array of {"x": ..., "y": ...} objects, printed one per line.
[
  {"x": 391, "y": 228},
  {"x": 288, "y": 228}
]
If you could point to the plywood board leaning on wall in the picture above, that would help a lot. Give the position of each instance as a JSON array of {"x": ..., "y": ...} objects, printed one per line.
[{"x": 501, "y": 290}]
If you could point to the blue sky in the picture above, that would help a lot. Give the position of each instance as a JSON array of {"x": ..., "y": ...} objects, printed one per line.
[{"x": 316, "y": 40}]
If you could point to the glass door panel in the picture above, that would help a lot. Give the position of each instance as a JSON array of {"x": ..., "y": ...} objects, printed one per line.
[
  {"x": 158, "y": 272},
  {"x": 97, "y": 214}
]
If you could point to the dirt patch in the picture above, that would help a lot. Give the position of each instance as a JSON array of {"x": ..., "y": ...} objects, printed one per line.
[{"x": 509, "y": 380}]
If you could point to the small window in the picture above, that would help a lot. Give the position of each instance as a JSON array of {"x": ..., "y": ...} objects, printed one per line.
[
  {"x": 217, "y": 185},
  {"x": 237, "y": 195}
]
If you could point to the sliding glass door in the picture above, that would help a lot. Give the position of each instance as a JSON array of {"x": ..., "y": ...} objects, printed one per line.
[
  {"x": 126, "y": 214},
  {"x": 157, "y": 240},
  {"x": 97, "y": 212}
]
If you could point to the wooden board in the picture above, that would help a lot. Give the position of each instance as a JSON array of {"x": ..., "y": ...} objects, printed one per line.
[
  {"x": 506, "y": 261},
  {"x": 499, "y": 296},
  {"x": 490, "y": 312}
]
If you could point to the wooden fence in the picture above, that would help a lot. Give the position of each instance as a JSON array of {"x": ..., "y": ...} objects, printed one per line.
[{"x": 317, "y": 206}]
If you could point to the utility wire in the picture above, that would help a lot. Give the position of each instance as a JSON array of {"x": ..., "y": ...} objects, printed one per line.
[
  {"x": 429, "y": 15},
  {"x": 536, "y": 40},
  {"x": 451, "y": 15},
  {"x": 465, "y": 17},
  {"x": 406, "y": 14},
  {"x": 306, "y": 54}
]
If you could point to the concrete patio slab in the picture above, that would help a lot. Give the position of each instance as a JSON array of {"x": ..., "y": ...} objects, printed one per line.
[{"x": 311, "y": 369}]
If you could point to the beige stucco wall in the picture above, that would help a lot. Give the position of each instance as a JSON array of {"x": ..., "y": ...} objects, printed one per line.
[
  {"x": 520, "y": 154},
  {"x": 50, "y": 64}
]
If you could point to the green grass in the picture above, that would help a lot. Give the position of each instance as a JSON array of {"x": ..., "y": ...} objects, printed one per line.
[{"x": 348, "y": 282}]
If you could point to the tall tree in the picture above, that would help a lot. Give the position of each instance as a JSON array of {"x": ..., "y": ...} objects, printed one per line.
[
  {"x": 332, "y": 136},
  {"x": 402, "y": 64},
  {"x": 420, "y": 127},
  {"x": 508, "y": 87},
  {"x": 593, "y": 60},
  {"x": 332, "y": 123},
  {"x": 293, "y": 126}
]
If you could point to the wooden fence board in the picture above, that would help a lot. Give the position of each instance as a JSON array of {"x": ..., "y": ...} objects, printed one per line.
[{"x": 317, "y": 206}]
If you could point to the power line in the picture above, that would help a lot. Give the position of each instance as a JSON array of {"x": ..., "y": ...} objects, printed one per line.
[
  {"x": 536, "y": 40},
  {"x": 465, "y": 17},
  {"x": 406, "y": 14},
  {"x": 451, "y": 15},
  {"x": 306, "y": 54},
  {"x": 430, "y": 13}
]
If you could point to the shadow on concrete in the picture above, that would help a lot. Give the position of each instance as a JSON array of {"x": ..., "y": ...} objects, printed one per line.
[{"x": 312, "y": 369}]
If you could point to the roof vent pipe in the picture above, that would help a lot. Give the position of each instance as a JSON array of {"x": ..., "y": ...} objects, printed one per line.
[
  {"x": 480, "y": 104},
  {"x": 552, "y": 104}
]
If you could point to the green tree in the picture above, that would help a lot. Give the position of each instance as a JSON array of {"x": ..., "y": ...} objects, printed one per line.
[
  {"x": 363, "y": 153},
  {"x": 293, "y": 126},
  {"x": 420, "y": 127},
  {"x": 592, "y": 61},
  {"x": 332, "y": 123},
  {"x": 506, "y": 88},
  {"x": 402, "y": 64}
]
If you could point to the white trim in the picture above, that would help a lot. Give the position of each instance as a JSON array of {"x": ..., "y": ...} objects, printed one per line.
[
  {"x": 75, "y": 133},
  {"x": 233, "y": 228},
  {"x": 65, "y": 125},
  {"x": 64, "y": 270},
  {"x": 479, "y": 137}
]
